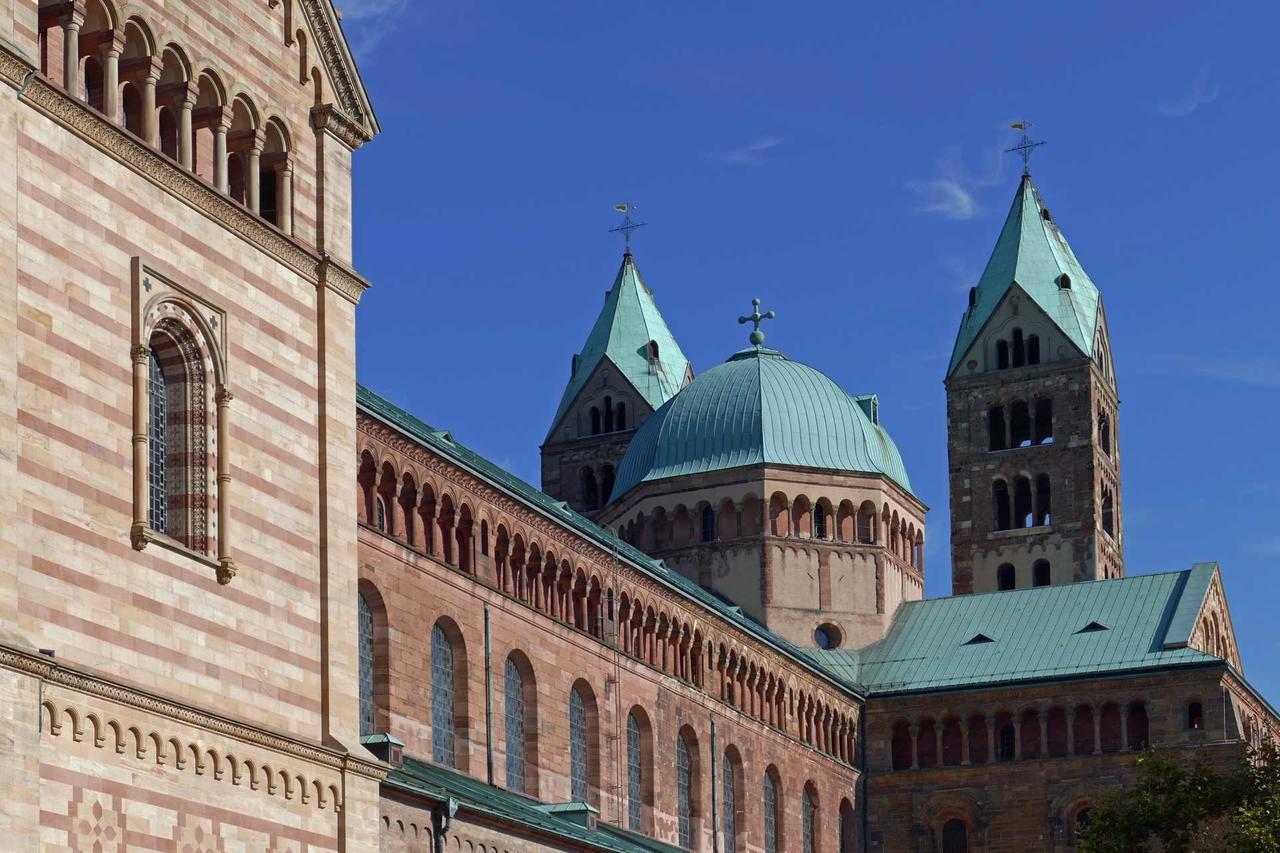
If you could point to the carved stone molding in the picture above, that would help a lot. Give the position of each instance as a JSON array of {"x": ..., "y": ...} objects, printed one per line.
[
  {"x": 344, "y": 78},
  {"x": 330, "y": 118},
  {"x": 342, "y": 279},
  {"x": 39, "y": 666}
]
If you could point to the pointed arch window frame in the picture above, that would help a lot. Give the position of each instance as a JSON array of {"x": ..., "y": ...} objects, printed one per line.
[{"x": 159, "y": 299}]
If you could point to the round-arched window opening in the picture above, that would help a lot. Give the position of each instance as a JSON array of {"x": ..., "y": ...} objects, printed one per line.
[
  {"x": 827, "y": 636},
  {"x": 1064, "y": 281}
]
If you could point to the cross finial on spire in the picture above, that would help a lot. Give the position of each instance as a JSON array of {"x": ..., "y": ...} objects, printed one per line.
[
  {"x": 1025, "y": 145},
  {"x": 627, "y": 225},
  {"x": 757, "y": 336}
]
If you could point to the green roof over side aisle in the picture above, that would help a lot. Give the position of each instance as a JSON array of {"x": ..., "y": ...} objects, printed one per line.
[
  {"x": 628, "y": 322},
  {"x": 1033, "y": 253},
  {"x": 1074, "y": 630},
  {"x": 439, "y": 783}
]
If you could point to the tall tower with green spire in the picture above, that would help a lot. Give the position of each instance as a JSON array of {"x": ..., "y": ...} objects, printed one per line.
[
  {"x": 1032, "y": 417},
  {"x": 629, "y": 366}
]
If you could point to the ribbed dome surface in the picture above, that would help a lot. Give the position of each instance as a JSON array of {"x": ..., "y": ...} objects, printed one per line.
[{"x": 758, "y": 408}]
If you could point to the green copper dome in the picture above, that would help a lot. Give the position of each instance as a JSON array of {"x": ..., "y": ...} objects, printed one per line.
[{"x": 760, "y": 408}]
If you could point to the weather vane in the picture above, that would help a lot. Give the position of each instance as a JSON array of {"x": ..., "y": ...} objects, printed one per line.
[
  {"x": 757, "y": 336},
  {"x": 1025, "y": 144},
  {"x": 627, "y": 225}
]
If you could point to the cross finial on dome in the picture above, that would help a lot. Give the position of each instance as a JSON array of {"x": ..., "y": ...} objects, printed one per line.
[{"x": 757, "y": 336}]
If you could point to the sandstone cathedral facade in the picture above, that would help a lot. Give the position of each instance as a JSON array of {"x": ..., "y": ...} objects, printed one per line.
[{"x": 249, "y": 605}]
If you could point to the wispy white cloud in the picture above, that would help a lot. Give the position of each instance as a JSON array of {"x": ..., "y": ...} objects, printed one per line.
[
  {"x": 752, "y": 154},
  {"x": 1257, "y": 370},
  {"x": 954, "y": 192},
  {"x": 367, "y": 22},
  {"x": 1203, "y": 91}
]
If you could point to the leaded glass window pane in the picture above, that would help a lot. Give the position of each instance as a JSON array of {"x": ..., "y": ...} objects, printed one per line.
[
  {"x": 730, "y": 807},
  {"x": 157, "y": 447},
  {"x": 635, "y": 776},
  {"x": 683, "y": 784},
  {"x": 806, "y": 812},
  {"x": 513, "y": 690},
  {"x": 366, "y": 665},
  {"x": 577, "y": 747},
  {"x": 770, "y": 815},
  {"x": 441, "y": 698}
]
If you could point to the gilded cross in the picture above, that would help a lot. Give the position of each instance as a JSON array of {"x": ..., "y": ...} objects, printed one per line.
[
  {"x": 627, "y": 225},
  {"x": 757, "y": 336}
]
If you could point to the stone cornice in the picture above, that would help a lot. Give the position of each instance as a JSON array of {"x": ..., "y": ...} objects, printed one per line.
[
  {"x": 348, "y": 132},
  {"x": 344, "y": 79},
  {"x": 103, "y": 687},
  {"x": 342, "y": 280}
]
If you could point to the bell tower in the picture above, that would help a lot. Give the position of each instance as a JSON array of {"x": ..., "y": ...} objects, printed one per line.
[
  {"x": 629, "y": 366},
  {"x": 1032, "y": 417}
]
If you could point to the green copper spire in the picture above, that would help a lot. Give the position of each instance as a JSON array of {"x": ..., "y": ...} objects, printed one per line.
[
  {"x": 1033, "y": 254},
  {"x": 631, "y": 333}
]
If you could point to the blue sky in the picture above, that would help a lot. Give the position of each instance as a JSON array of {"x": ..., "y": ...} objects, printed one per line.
[{"x": 845, "y": 165}]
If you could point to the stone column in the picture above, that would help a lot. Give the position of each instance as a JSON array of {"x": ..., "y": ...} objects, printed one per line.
[
  {"x": 1097, "y": 729},
  {"x": 1072, "y": 746},
  {"x": 112, "y": 47},
  {"x": 253, "y": 192},
  {"x": 1017, "y": 738},
  {"x": 914, "y": 731},
  {"x": 141, "y": 366},
  {"x": 150, "y": 115},
  {"x": 221, "y": 184},
  {"x": 71, "y": 21},
  {"x": 284, "y": 196},
  {"x": 964, "y": 743},
  {"x": 1044, "y": 732},
  {"x": 991, "y": 739},
  {"x": 226, "y": 565},
  {"x": 1124, "y": 728},
  {"x": 185, "y": 139}
]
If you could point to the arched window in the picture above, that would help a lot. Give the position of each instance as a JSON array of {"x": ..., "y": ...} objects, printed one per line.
[
  {"x": 131, "y": 102},
  {"x": 1138, "y": 727},
  {"x": 1002, "y": 355},
  {"x": 1000, "y": 498},
  {"x": 1083, "y": 818},
  {"x": 866, "y": 523},
  {"x": 995, "y": 428},
  {"x": 847, "y": 829},
  {"x": 900, "y": 746},
  {"x": 608, "y": 414},
  {"x": 380, "y": 513},
  {"x": 639, "y": 770},
  {"x": 275, "y": 179},
  {"x": 1195, "y": 716},
  {"x": 731, "y": 805},
  {"x": 820, "y": 520},
  {"x": 365, "y": 628},
  {"x": 581, "y": 753},
  {"x": 514, "y": 717},
  {"x": 1022, "y": 516},
  {"x": 686, "y": 786},
  {"x": 179, "y": 503},
  {"x": 168, "y": 129},
  {"x": 588, "y": 488},
  {"x": 708, "y": 524},
  {"x": 1033, "y": 349},
  {"x": 94, "y": 87},
  {"x": 442, "y": 696},
  {"x": 1019, "y": 349},
  {"x": 772, "y": 810},
  {"x": 1006, "y": 577},
  {"x": 620, "y": 419},
  {"x": 955, "y": 836},
  {"x": 1044, "y": 511},
  {"x": 1006, "y": 738},
  {"x": 809, "y": 819},
  {"x": 606, "y": 484},
  {"x": 595, "y": 421},
  {"x": 1040, "y": 573},
  {"x": 1044, "y": 421},
  {"x": 1104, "y": 433},
  {"x": 1108, "y": 513},
  {"x": 1019, "y": 425}
]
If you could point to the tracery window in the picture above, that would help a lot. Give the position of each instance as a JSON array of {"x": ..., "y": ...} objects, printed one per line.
[
  {"x": 808, "y": 819},
  {"x": 442, "y": 698},
  {"x": 635, "y": 775},
  {"x": 771, "y": 821},
  {"x": 577, "y": 746},
  {"x": 684, "y": 789},
  {"x": 513, "y": 697},
  {"x": 730, "y": 803},
  {"x": 365, "y": 619}
]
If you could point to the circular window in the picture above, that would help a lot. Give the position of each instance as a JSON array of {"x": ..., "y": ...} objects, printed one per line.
[{"x": 827, "y": 636}]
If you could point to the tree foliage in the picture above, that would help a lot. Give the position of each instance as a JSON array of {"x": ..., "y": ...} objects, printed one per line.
[{"x": 1178, "y": 807}]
